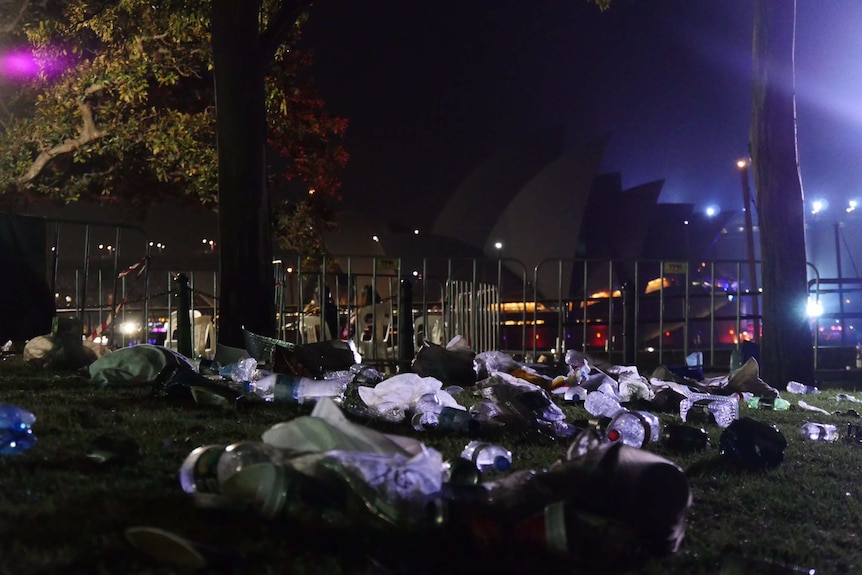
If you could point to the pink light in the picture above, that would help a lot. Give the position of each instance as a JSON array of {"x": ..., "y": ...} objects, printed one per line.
[
  {"x": 24, "y": 64},
  {"x": 20, "y": 64}
]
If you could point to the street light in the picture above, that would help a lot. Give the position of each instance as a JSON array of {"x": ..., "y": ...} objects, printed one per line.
[{"x": 817, "y": 206}]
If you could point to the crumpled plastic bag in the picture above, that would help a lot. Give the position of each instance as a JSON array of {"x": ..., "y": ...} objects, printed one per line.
[
  {"x": 395, "y": 475},
  {"x": 138, "y": 364},
  {"x": 391, "y": 398},
  {"x": 328, "y": 429}
]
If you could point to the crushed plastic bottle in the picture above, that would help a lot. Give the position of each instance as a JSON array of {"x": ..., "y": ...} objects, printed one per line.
[
  {"x": 16, "y": 433},
  {"x": 426, "y": 403},
  {"x": 723, "y": 408},
  {"x": 488, "y": 457},
  {"x": 602, "y": 405},
  {"x": 296, "y": 389},
  {"x": 240, "y": 371},
  {"x": 800, "y": 388},
  {"x": 818, "y": 431},
  {"x": 634, "y": 428}
]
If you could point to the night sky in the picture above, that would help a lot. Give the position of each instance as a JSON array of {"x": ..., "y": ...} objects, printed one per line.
[{"x": 431, "y": 89}]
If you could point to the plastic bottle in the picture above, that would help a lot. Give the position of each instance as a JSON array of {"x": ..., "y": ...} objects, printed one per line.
[
  {"x": 601, "y": 404},
  {"x": 426, "y": 403},
  {"x": 488, "y": 457},
  {"x": 796, "y": 387},
  {"x": 16, "y": 434},
  {"x": 634, "y": 428},
  {"x": 818, "y": 431},
  {"x": 447, "y": 419},
  {"x": 296, "y": 389},
  {"x": 724, "y": 409}
]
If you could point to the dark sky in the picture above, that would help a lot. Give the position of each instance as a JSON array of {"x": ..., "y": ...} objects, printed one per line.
[{"x": 432, "y": 88}]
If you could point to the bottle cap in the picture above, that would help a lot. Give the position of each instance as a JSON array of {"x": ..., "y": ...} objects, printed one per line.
[{"x": 502, "y": 463}]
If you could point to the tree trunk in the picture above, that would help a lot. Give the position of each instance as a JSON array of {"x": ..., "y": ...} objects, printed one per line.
[
  {"x": 786, "y": 349},
  {"x": 246, "y": 284}
]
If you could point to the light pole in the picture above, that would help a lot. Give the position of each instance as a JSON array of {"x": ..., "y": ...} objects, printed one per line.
[
  {"x": 840, "y": 280},
  {"x": 749, "y": 241}
]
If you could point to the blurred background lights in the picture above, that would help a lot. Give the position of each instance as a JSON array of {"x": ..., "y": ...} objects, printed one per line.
[
  {"x": 814, "y": 308},
  {"x": 818, "y": 206}
]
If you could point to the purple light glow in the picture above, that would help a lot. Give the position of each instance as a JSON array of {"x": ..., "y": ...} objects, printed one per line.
[
  {"x": 20, "y": 64},
  {"x": 24, "y": 64}
]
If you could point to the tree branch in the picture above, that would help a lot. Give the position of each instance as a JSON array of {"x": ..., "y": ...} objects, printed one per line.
[
  {"x": 88, "y": 132},
  {"x": 12, "y": 24},
  {"x": 279, "y": 26}
]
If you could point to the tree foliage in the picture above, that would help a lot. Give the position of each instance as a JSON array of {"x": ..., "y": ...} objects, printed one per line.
[{"x": 121, "y": 108}]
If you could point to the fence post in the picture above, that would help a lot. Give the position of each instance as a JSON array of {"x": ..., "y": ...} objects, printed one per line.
[
  {"x": 184, "y": 328},
  {"x": 629, "y": 320},
  {"x": 405, "y": 326}
]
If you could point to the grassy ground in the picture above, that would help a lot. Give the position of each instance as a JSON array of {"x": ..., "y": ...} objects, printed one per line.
[{"x": 65, "y": 512}]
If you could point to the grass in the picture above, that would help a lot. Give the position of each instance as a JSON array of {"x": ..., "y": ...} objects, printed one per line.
[{"x": 65, "y": 512}]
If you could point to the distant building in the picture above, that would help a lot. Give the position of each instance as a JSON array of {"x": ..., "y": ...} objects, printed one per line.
[{"x": 538, "y": 201}]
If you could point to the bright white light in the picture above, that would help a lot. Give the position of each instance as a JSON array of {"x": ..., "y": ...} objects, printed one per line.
[
  {"x": 814, "y": 308},
  {"x": 416, "y": 232},
  {"x": 415, "y": 274},
  {"x": 817, "y": 206},
  {"x": 711, "y": 211},
  {"x": 129, "y": 327},
  {"x": 685, "y": 222},
  {"x": 851, "y": 205},
  {"x": 498, "y": 245},
  {"x": 375, "y": 238},
  {"x": 741, "y": 163}
]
